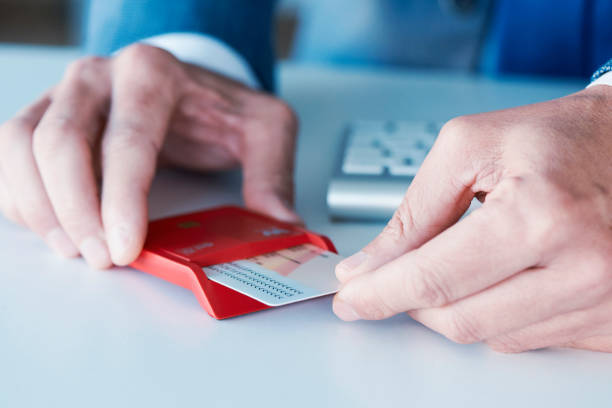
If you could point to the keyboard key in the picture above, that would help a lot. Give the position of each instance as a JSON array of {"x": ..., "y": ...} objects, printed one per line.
[
  {"x": 390, "y": 127},
  {"x": 407, "y": 161},
  {"x": 402, "y": 145},
  {"x": 417, "y": 155},
  {"x": 396, "y": 136},
  {"x": 363, "y": 168},
  {"x": 397, "y": 146},
  {"x": 365, "y": 152},
  {"x": 364, "y": 163},
  {"x": 404, "y": 167},
  {"x": 423, "y": 144},
  {"x": 368, "y": 126},
  {"x": 411, "y": 128},
  {"x": 361, "y": 141},
  {"x": 433, "y": 128}
]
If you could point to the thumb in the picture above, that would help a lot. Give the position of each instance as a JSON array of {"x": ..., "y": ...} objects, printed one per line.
[{"x": 438, "y": 196}]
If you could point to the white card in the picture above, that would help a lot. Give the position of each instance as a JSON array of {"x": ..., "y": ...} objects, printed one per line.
[{"x": 282, "y": 277}]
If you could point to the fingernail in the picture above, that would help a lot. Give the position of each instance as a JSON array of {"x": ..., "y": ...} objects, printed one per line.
[
  {"x": 344, "y": 311},
  {"x": 287, "y": 213},
  {"x": 346, "y": 267},
  {"x": 95, "y": 253},
  {"x": 60, "y": 243},
  {"x": 290, "y": 217},
  {"x": 119, "y": 241}
]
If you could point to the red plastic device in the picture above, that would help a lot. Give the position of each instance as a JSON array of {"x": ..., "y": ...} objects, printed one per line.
[{"x": 178, "y": 247}]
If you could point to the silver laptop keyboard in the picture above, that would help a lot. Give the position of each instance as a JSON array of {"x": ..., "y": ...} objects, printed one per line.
[
  {"x": 396, "y": 148},
  {"x": 377, "y": 162}
]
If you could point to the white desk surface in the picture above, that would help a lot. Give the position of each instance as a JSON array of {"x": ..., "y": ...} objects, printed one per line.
[{"x": 71, "y": 336}]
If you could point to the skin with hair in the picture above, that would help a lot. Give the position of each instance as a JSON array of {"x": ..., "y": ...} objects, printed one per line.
[
  {"x": 532, "y": 267},
  {"x": 77, "y": 165}
]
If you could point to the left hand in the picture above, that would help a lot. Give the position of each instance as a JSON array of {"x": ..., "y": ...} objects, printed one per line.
[
  {"x": 76, "y": 166},
  {"x": 532, "y": 267}
]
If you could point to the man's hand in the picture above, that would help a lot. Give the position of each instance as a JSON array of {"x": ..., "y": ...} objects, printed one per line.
[
  {"x": 532, "y": 267},
  {"x": 114, "y": 119}
]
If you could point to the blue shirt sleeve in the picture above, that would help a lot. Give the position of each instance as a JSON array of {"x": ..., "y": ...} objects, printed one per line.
[
  {"x": 244, "y": 25},
  {"x": 607, "y": 67}
]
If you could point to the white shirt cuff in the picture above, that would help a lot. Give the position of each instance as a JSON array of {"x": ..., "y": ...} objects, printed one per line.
[
  {"x": 605, "y": 79},
  {"x": 206, "y": 52}
]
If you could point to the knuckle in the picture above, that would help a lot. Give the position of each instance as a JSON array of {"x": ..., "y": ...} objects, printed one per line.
[
  {"x": 278, "y": 124},
  {"x": 87, "y": 68},
  {"x": 140, "y": 53},
  {"x": 368, "y": 304},
  {"x": 152, "y": 97},
  {"x": 534, "y": 212},
  {"x": 62, "y": 124},
  {"x": 10, "y": 211},
  {"x": 16, "y": 127},
  {"x": 507, "y": 344},
  {"x": 595, "y": 279},
  {"x": 425, "y": 287},
  {"x": 36, "y": 218},
  {"x": 129, "y": 138},
  {"x": 145, "y": 98},
  {"x": 456, "y": 131},
  {"x": 154, "y": 72},
  {"x": 284, "y": 112},
  {"x": 73, "y": 219},
  {"x": 549, "y": 226},
  {"x": 12, "y": 215},
  {"x": 461, "y": 329},
  {"x": 55, "y": 134},
  {"x": 370, "y": 310},
  {"x": 211, "y": 95},
  {"x": 14, "y": 131},
  {"x": 402, "y": 222},
  {"x": 283, "y": 117},
  {"x": 256, "y": 130}
]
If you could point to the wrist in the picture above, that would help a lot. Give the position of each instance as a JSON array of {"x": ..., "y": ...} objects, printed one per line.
[
  {"x": 604, "y": 79},
  {"x": 207, "y": 52},
  {"x": 593, "y": 109},
  {"x": 601, "y": 93}
]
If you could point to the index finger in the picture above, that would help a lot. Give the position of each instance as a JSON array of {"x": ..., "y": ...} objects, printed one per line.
[
  {"x": 437, "y": 197},
  {"x": 143, "y": 101},
  {"x": 485, "y": 248}
]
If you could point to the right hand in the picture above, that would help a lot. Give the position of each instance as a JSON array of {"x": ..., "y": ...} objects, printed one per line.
[
  {"x": 532, "y": 267},
  {"x": 113, "y": 119}
]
